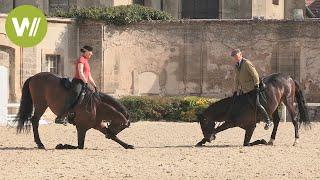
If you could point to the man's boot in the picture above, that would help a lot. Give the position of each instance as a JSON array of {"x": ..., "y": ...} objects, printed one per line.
[
  {"x": 267, "y": 121},
  {"x": 263, "y": 111}
]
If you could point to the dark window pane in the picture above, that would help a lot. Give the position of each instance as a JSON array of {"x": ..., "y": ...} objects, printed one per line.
[
  {"x": 140, "y": 2},
  {"x": 200, "y": 9}
]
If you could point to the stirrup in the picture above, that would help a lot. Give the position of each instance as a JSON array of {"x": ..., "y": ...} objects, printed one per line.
[
  {"x": 60, "y": 120},
  {"x": 268, "y": 125}
]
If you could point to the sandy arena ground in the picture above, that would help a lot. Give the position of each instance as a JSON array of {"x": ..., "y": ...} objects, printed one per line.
[{"x": 163, "y": 151}]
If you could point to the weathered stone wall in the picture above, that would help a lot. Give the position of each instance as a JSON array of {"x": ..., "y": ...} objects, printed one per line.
[{"x": 192, "y": 57}]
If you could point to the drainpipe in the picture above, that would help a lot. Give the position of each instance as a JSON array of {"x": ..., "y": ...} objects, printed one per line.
[
  {"x": 21, "y": 67},
  {"x": 13, "y": 4}
]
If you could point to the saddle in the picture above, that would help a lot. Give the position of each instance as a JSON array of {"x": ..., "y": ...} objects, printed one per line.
[{"x": 66, "y": 82}]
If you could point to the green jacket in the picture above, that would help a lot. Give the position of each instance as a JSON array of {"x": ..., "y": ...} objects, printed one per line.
[{"x": 246, "y": 76}]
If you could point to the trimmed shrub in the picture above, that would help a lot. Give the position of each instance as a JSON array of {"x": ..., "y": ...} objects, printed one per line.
[
  {"x": 117, "y": 15},
  {"x": 157, "y": 108}
]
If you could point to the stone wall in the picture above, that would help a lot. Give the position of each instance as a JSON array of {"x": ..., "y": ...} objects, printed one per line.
[{"x": 192, "y": 57}]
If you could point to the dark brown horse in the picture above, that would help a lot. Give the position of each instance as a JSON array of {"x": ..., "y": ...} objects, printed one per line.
[
  {"x": 240, "y": 111},
  {"x": 44, "y": 90}
]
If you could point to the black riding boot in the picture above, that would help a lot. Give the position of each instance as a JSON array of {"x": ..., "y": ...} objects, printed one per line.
[
  {"x": 264, "y": 113},
  {"x": 69, "y": 103},
  {"x": 65, "y": 119}
]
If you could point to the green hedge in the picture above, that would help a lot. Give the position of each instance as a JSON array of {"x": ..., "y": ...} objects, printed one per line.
[
  {"x": 157, "y": 108},
  {"x": 118, "y": 15}
]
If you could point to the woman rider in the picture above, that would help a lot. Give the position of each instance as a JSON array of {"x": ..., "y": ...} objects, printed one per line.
[{"x": 81, "y": 79}]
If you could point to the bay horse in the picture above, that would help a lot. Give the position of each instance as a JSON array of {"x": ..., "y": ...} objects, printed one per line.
[
  {"x": 241, "y": 111},
  {"x": 45, "y": 90}
]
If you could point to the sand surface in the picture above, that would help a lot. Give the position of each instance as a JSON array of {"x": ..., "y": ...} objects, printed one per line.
[{"x": 163, "y": 151}]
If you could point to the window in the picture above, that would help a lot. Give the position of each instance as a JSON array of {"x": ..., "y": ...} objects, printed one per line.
[
  {"x": 140, "y": 2},
  {"x": 58, "y": 5},
  {"x": 275, "y": 2},
  {"x": 53, "y": 62},
  {"x": 200, "y": 9},
  {"x": 286, "y": 59}
]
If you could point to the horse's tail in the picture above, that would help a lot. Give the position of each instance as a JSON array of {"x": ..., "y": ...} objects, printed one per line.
[
  {"x": 25, "y": 109},
  {"x": 303, "y": 111}
]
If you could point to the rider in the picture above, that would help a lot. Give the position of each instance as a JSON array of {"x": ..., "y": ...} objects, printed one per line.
[
  {"x": 247, "y": 79},
  {"x": 81, "y": 79}
]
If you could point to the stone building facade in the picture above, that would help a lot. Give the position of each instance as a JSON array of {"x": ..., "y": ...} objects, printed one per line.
[
  {"x": 197, "y": 9},
  {"x": 55, "y": 53},
  {"x": 189, "y": 57},
  {"x": 227, "y": 9},
  {"x": 192, "y": 57},
  {"x": 50, "y": 6}
]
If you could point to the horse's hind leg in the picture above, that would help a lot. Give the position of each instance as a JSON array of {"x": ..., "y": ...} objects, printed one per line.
[
  {"x": 276, "y": 120},
  {"x": 39, "y": 110},
  {"x": 103, "y": 129},
  {"x": 291, "y": 108}
]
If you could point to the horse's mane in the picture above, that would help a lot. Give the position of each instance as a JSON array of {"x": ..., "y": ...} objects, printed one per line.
[
  {"x": 222, "y": 102},
  {"x": 114, "y": 103},
  {"x": 220, "y": 106},
  {"x": 228, "y": 105}
]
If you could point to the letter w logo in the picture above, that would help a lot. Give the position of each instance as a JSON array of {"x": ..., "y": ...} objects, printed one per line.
[{"x": 20, "y": 28}]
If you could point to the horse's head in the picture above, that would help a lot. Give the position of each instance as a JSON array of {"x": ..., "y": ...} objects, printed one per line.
[
  {"x": 117, "y": 125},
  {"x": 207, "y": 127}
]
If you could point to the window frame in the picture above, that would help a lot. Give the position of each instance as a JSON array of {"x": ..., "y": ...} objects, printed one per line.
[
  {"x": 53, "y": 62},
  {"x": 275, "y": 2}
]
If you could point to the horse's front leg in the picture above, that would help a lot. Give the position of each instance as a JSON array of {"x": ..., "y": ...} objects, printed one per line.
[
  {"x": 103, "y": 129},
  {"x": 81, "y": 137},
  {"x": 248, "y": 135},
  {"x": 201, "y": 143},
  {"x": 224, "y": 126},
  {"x": 81, "y": 133}
]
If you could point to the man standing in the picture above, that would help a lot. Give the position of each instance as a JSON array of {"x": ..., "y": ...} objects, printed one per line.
[{"x": 247, "y": 79}]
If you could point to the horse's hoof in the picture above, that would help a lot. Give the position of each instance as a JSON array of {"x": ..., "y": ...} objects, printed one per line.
[
  {"x": 41, "y": 146},
  {"x": 67, "y": 146},
  {"x": 60, "y": 146},
  {"x": 129, "y": 147},
  {"x": 262, "y": 141},
  {"x": 270, "y": 143},
  {"x": 199, "y": 145}
]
